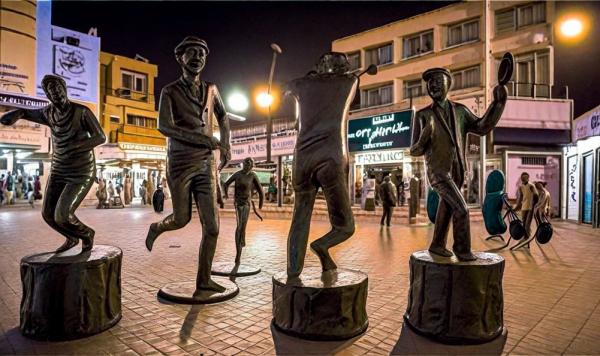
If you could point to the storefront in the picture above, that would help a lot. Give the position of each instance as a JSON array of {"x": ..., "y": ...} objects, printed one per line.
[
  {"x": 583, "y": 170},
  {"x": 379, "y": 146}
]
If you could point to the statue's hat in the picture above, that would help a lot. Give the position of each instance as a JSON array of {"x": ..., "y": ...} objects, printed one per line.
[
  {"x": 428, "y": 74},
  {"x": 190, "y": 41}
]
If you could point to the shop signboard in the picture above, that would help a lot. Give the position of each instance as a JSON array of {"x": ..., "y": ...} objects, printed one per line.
[
  {"x": 72, "y": 55},
  {"x": 280, "y": 146},
  {"x": 379, "y": 157},
  {"x": 380, "y": 132},
  {"x": 587, "y": 125}
]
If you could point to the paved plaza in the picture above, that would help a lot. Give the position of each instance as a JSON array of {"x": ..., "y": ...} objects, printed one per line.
[{"x": 551, "y": 294}]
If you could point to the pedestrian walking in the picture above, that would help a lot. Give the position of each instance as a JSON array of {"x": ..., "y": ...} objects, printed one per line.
[
  {"x": 9, "y": 188},
  {"x": 143, "y": 191},
  {"x": 388, "y": 200},
  {"x": 158, "y": 200},
  {"x": 37, "y": 188},
  {"x": 542, "y": 210},
  {"x": 30, "y": 194},
  {"x": 127, "y": 190}
]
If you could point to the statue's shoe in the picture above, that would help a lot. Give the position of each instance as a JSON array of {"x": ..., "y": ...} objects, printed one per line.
[
  {"x": 69, "y": 244},
  {"x": 152, "y": 235},
  {"x": 466, "y": 256},
  {"x": 440, "y": 251}
]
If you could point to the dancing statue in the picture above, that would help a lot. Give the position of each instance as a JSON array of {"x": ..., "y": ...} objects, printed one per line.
[
  {"x": 439, "y": 133},
  {"x": 245, "y": 181},
  {"x": 185, "y": 116},
  {"x": 321, "y": 157},
  {"x": 75, "y": 132}
]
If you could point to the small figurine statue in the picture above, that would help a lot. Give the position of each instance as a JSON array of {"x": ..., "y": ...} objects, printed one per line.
[
  {"x": 321, "y": 158},
  {"x": 75, "y": 132},
  {"x": 439, "y": 133},
  {"x": 245, "y": 181},
  {"x": 186, "y": 108}
]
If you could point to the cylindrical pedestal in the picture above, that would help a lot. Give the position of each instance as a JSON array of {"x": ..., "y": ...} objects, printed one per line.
[
  {"x": 321, "y": 306},
  {"x": 69, "y": 295},
  {"x": 453, "y": 301}
]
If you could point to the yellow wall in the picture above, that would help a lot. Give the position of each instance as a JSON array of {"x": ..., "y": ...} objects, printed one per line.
[
  {"x": 112, "y": 104},
  {"x": 523, "y": 40},
  {"x": 17, "y": 19}
]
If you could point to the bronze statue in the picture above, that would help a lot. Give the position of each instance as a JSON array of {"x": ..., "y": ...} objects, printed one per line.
[
  {"x": 245, "y": 181},
  {"x": 321, "y": 157},
  {"x": 185, "y": 116},
  {"x": 75, "y": 132},
  {"x": 439, "y": 132}
]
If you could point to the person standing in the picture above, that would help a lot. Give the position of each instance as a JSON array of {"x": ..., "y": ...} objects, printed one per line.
[
  {"x": 37, "y": 188},
  {"x": 111, "y": 191},
  {"x": 127, "y": 190},
  {"x": 388, "y": 200},
  {"x": 2, "y": 195},
  {"x": 150, "y": 189},
  {"x": 165, "y": 187},
  {"x": 527, "y": 199},
  {"x": 158, "y": 200},
  {"x": 542, "y": 210},
  {"x": 143, "y": 191},
  {"x": 10, "y": 187},
  {"x": 101, "y": 193},
  {"x": 30, "y": 194}
]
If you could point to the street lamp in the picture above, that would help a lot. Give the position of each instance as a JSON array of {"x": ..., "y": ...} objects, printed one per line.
[
  {"x": 268, "y": 99},
  {"x": 264, "y": 100},
  {"x": 571, "y": 27},
  {"x": 238, "y": 102}
]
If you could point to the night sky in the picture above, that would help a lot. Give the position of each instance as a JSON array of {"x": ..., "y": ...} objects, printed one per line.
[{"x": 239, "y": 34}]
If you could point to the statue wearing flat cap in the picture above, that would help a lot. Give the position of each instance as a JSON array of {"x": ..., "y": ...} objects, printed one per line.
[
  {"x": 439, "y": 133},
  {"x": 186, "y": 110}
]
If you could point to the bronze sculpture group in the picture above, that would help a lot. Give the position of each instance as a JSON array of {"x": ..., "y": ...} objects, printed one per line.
[{"x": 187, "y": 109}]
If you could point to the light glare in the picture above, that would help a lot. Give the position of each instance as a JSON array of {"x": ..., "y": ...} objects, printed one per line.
[
  {"x": 264, "y": 100},
  {"x": 238, "y": 102},
  {"x": 571, "y": 28}
]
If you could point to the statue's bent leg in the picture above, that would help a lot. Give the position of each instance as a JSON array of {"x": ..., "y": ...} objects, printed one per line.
[
  {"x": 451, "y": 195},
  {"x": 204, "y": 190},
  {"x": 442, "y": 224},
  {"x": 182, "y": 212},
  {"x": 54, "y": 188},
  {"x": 64, "y": 213},
  {"x": 340, "y": 217},
  {"x": 298, "y": 235},
  {"x": 242, "y": 212}
]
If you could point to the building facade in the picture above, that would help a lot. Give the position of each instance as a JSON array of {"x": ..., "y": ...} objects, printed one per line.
[
  {"x": 537, "y": 119},
  {"x": 582, "y": 176},
  {"x": 129, "y": 118},
  {"x": 24, "y": 147}
]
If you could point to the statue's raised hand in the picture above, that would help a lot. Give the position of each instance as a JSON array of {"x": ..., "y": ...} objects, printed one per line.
[{"x": 11, "y": 117}]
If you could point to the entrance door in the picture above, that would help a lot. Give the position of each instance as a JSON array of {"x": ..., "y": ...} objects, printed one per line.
[{"x": 588, "y": 188}]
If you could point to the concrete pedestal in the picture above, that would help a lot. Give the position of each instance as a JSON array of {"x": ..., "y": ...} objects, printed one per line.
[
  {"x": 71, "y": 295},
  {"x": 321, "y": 306},
  {"x": 456, "y": 302}
]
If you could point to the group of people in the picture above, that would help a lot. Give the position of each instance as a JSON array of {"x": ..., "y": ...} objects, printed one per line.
[
  {"x": 15, "y": 186},
  {"x": 534, "y": 202},
  {"x": 110, "y": 195}
]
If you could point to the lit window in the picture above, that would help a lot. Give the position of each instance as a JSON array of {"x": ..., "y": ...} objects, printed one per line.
[
  {"x": 418, "y": 44},
  {"x": 379, "y": 56}
]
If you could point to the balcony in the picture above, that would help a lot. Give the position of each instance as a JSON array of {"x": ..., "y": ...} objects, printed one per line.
[
  {"x": 537, "y": 90},
  {"x": 126, "y": 93}
]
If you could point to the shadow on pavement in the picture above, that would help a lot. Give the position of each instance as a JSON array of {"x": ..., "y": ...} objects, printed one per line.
[
  {"x": 188, "y": 323},
  {"x": 289, "y": 345},
  {"x": 411, "y": 343}
]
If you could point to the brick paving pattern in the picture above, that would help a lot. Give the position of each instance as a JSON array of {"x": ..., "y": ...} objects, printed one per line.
[{"x": 551, "y": 294}]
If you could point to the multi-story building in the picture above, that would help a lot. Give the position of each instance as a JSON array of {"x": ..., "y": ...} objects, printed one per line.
[
  {"x": 468, "y": 38},
  {"x": 129, "y": 118},
  {"x": 24, "y": 146}
]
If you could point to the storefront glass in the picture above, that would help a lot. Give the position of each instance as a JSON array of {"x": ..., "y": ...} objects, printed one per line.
[{"x": 588, "y": 187}]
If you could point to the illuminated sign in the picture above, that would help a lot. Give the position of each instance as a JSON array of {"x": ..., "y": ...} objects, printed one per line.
[
  {"x": 19, "y": 101},
  {"x": 140, "y": 147},
  {"x": 72, "y": 55},
  {"x": 379, "y": 157},
  {"x": 380, "y": 132}
]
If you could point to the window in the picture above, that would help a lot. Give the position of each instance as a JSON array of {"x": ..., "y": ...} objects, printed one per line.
[
  {"x": 377, "y": 96},
  {"x": 115, "y": 119},
  {"x": 354, "y": 59},
  {"x": 418, "y": 44},
  {"x": 134, "y": 81},
  {"x": 141, "y": 121},
  {"x": 413, "y": 88},
  {"x": 379, "y": 56},
  {"x": 463, "y": 32},
  {"x": 533, "y": 161},
  {"x": 466, "y": 78},
  {"x": 512, "y": 19},
  {"x": 531, "y": 77}
]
